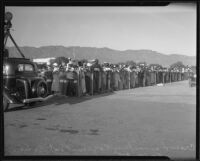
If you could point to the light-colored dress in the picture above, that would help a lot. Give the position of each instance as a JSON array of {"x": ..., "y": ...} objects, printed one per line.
[
  {"x": 62, "y": 82},
  {"x": 116, "y": 80},
  {"x": 55, "y": 83},
  {"x": 83, "y": 86}
]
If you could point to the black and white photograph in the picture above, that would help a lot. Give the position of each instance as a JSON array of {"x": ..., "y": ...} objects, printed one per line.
[{"x": 100, "y": 80}]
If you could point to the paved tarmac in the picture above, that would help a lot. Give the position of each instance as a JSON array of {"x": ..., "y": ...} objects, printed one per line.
[{"x": 155, "y": 120}]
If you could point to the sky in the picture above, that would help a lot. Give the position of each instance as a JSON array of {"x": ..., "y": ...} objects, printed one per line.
[{"x": 168, "y": 30}]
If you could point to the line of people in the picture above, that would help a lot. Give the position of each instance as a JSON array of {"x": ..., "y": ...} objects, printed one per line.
[{"x": 76, "y": 79}]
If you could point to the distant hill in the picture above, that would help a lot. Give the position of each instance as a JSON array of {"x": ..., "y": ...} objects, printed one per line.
[{"x": 103, "y": 54}]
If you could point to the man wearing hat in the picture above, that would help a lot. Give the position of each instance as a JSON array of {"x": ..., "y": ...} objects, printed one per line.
[
  {"x": 49, "y": 76},
  {"x": 71, "y": 76}
]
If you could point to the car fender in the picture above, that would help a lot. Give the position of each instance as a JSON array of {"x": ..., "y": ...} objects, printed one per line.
[{"x": 9, "y": 97}]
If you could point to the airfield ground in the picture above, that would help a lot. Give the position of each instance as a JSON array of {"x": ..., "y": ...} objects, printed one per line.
[{"x": 155, "y": 120}]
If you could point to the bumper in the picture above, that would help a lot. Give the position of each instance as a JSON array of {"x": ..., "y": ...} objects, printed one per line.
[{"x": 38, "y": 99}]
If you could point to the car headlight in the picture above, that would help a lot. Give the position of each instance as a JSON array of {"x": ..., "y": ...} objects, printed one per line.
[
  {"x": 33, "y": 90},
  {"x": 5, "y": 69}
]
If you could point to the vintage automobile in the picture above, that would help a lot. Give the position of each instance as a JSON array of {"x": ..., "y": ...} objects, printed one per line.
[
  {"x": 21, "y": 82},
  {"x": 192, "y": 80}
]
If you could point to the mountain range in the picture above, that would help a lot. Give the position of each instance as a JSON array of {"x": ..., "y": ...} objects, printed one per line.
[{"x": 103, "y": 54}]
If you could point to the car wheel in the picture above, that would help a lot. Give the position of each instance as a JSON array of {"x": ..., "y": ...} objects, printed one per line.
[
  {"x": 5, "y": 104},
  {"x": 42, "y": 89}
]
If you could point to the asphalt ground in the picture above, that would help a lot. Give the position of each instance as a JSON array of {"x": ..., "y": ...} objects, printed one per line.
[{"x": 155, "y": 120}]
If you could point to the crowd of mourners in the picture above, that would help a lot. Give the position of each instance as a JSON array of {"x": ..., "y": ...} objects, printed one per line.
[{"x": 88, "y": 78}]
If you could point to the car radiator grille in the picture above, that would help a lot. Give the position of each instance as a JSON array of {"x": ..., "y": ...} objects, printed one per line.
[
  {"x": 21, "y": 89},
  {"x": 22, "y": 93}
]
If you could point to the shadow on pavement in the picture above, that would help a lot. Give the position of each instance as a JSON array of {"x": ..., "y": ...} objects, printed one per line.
[{"x": 59, "y": 100}]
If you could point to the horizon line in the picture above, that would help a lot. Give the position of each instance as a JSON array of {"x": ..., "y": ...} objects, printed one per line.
[{"x": 103, "y": 48}]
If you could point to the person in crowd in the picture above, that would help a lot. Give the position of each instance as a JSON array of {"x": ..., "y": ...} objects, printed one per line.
[
  {"x": 129, "y": 80},
  {"x": 125, "y": 76},
  {"x": 107, "y": 71},
  {"x": 125, "y": 71},
  {"x": 137, "y": 69},
  {"x": 158, "y": 78},
  {"x": 49, "y": 76},
  {"x": 133, "y": 77},
  {"x": 179, "y": 74},
  {"x": 172, "y": 75},
  {"x": 140, "y": 78},
  {"x": 95, "y": 70},
  {"x": 71, "y": 76},
  {"x": 153, "y": 76},
  {"x": 112, "y": 81},
  {"x": 121, "y": 78},
  {"x": 62, "y": 79},
  {"x": 87, "y": 79},
  {"x": 103, "y": 76},
  {"x": 55, "y": 84},
  {"x": 144, "y": 73},
  {"x": 90, "y": 77},
  {"x": 82, "y": 78},
  {"x": 99, "y": 76},
  {"x": 148, "y": 76},
  {"x": 116, "y": 78},
  {"x": 166, "y": 76},
  {"x": 160, "y": 75},
  {"x": 42, "y": 69}
]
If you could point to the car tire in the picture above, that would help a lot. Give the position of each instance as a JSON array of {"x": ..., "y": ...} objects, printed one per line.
[
  {"x": 5, "y": 104},
  {"x": 41, "y": 85}
]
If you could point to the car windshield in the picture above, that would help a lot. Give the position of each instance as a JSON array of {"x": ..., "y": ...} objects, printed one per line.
[{"x": 25, "y": 68}]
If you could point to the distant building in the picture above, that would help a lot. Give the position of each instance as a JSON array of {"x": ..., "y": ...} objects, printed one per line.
[{"x": 43, "y": 60}]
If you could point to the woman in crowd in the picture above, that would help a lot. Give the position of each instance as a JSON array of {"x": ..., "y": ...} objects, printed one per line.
[
  {"x": 116, "y": 78},
  {"x": 133, "y": 78},
  {"x": 127, "y": 76},
  {"x": 103, "y": 86},
  {"x": 62, "y": 79},
  {"x": 82, "y": 77},
  {"x": 55, "y": 84},
  {"x": 87, "y": 80},
  {"x": 148, "y": 77},
  {"x": 107, "y": 71},
  {"x": 121, "y": 79}
]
